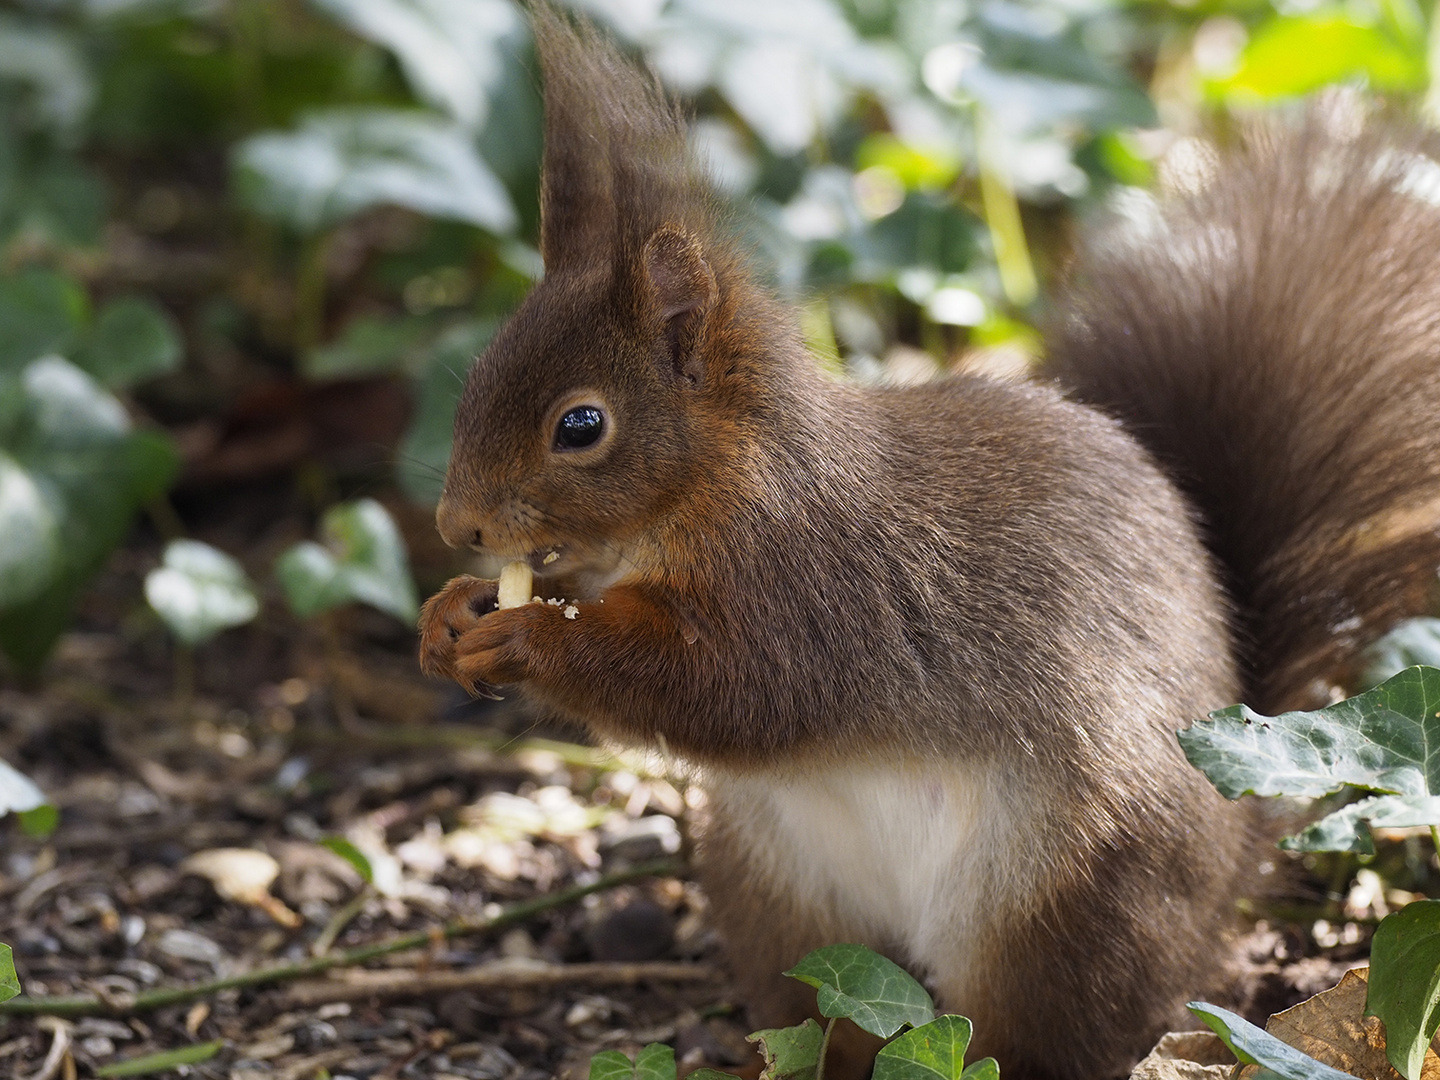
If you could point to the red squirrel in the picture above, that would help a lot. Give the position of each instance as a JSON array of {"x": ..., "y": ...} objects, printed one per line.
[{"x": 928, "y": 647}]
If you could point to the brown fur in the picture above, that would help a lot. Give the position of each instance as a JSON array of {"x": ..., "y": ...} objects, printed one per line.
[{"x": 789, "y": 578}]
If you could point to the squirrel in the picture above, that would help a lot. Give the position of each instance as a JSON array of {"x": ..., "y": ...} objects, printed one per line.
[{"x": 928, "y": 647}]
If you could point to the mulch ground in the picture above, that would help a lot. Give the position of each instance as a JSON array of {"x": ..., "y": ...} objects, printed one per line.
[{"x": 298, "y": 735}]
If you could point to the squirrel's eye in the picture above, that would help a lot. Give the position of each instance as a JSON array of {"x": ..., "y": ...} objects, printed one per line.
[{"x": 579, "y": 428}]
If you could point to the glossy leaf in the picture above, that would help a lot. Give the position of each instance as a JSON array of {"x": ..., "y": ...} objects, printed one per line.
[
  {"x": 933, "y": 1051},
  {"x": 423, "y": 456},
  {"x": 790, "y": 1053},
  {"x": 1254, "y": 1046},
  {"x": 1405, "y": 983},
  {"x": 450, "y": 50},
  {"x": 74, "y": 443},
  {"x": 341, "y": 162},
  {"x": 199, "y": 591},
  {"x": 363, "y": 560},
  {"x": 1386, "y": 740},
  {"x": 1414, "y": 641},
  {"x": 862, "y": 986},
  {"x": 18, "y": 793},
  {"x": 9, "y": 981},
  {"x": 30, "y": 541}
]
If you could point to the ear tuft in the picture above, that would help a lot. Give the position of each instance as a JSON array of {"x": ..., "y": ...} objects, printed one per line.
[{"x": 680, "y": 279}]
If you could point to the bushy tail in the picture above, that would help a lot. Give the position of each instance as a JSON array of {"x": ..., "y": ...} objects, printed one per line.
[{"x": 1273, "y": 336}]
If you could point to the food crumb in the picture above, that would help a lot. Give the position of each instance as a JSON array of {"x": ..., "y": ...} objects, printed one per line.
[
  {"x": 571, "y": 611},
  {"x": 550, "y": 558}
]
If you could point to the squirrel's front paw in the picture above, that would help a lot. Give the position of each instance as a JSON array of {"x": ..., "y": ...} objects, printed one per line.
[
  {"x": 497, "y": 650},
  {"x": 448, "y": 616}
]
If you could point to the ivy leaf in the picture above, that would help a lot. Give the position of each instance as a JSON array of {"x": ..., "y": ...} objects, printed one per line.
[
  {"x": 1405, "y": 983},
  {"x": 1414, "y": 641},
  {"x": 448, "y": 49},
  {"x": 861, "y": 985},
  {"x": 41, "y": 312},
  {"x": 1386, "y": 740},
  {"x": 343, "y": 161},
  {"x": 791, "y": 1053},
  {"x": 132, "y": 340},
  {"x": 199, "y": 591},
  {"x": 611, "y": 1065},
  {"x": 932, "y": 1050},
  {"x": 86, "y": 473},
  {"x": 9, "y": 981},
  {"x": 654, "y": 1062},
  {"x": 363, "y": 561},
  {"x": 1254, "y": 1046},
  {"x": 18, "y": 793}
]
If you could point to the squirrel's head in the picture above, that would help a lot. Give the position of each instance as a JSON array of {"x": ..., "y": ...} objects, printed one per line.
[{"x": 602, "y": 400}]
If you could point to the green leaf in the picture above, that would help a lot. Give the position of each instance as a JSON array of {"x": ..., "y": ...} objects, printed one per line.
[
  {"x": 9, "y": 981},
  {"x": 426, "y": 449},
  {"x": 1254, "y": 1046},
  {"x": 791, "y": 1053},
  {"x": 450, "y": 52},
  {"x": 30, "y": 544},
  {"x": 363, "y": 561},
  {"x": 1386, "y": 740},
  {"x": 163, "y": 1061},
  {"x": 1293, "y": 55},
  {"x": 936, "y": 1049},
  {"x": 368, "y": 346},
  {"x": 344, "y": 161},
  {"x": 1414, "y": 641},
  {"x": 611, "y": 1065},
  {"x": 861, "y": 985},
  {"x": 1405, "y": 983},
  {"x": 39, "y": 823},
  {"x": 351, "y": 854},
  {"x": 74, "y": 444},
  {"x": 133, "y": 339},
  {"x": 199, "y": 591},
  {"x": 654, "y": 1062},
  {"x": 41, "y": 312},
  {"x": 984, "y": 1069},
  {"x": 18, "y": 793}
]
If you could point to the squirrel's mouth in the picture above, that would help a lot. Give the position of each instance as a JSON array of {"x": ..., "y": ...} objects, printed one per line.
[{"x": 570, "y": 560}]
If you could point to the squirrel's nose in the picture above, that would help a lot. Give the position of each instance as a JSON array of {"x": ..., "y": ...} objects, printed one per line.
[{"x": 459, "y": 526}]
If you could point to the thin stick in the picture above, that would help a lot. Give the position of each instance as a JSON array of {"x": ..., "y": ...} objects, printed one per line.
[
  {"x": 367, "y": 985},
  {"x": 124, "y": 1005}
]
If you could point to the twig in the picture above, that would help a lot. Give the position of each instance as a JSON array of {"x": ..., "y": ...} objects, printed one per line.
[
  {"x": 497, "y": 975},
  {"x": 59, "y": 1048},
  {"x": 92, "y": 1005},
  {"x": 341, "y": 919}
]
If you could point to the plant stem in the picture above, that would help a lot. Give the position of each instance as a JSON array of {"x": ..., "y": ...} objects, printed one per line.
[
  {"x": 91, "y": 1005},
  {"x": 824, "y": 1049},
  {"x": 1435, "y": 838}
]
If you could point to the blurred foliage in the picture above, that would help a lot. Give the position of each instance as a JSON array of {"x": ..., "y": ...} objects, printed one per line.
[{"x": 202, "y": 197}]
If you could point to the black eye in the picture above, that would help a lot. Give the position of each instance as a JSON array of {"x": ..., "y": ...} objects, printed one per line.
[{"x": 579, "y": 428}]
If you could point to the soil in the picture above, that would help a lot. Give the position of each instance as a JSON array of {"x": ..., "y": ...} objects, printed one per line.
[{"x": 301, "y": 734}]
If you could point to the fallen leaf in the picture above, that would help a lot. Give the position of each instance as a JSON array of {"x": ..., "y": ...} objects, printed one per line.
[
  {"x": 1331, "y": 1027},
  {"x": 245, "y": 876}
]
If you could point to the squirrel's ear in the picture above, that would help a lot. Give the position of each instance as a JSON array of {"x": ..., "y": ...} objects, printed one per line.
[{"x": 682, "y": 287}]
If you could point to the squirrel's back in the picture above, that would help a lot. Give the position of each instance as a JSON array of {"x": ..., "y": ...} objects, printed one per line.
[{"x": 1273, "y": 336}]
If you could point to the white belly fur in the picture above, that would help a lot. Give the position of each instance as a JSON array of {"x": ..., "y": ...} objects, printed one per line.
[{"x": 911, "y": 855}]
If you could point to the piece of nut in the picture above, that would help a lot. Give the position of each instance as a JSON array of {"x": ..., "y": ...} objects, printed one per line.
[{"x": 515, "y": 583}]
